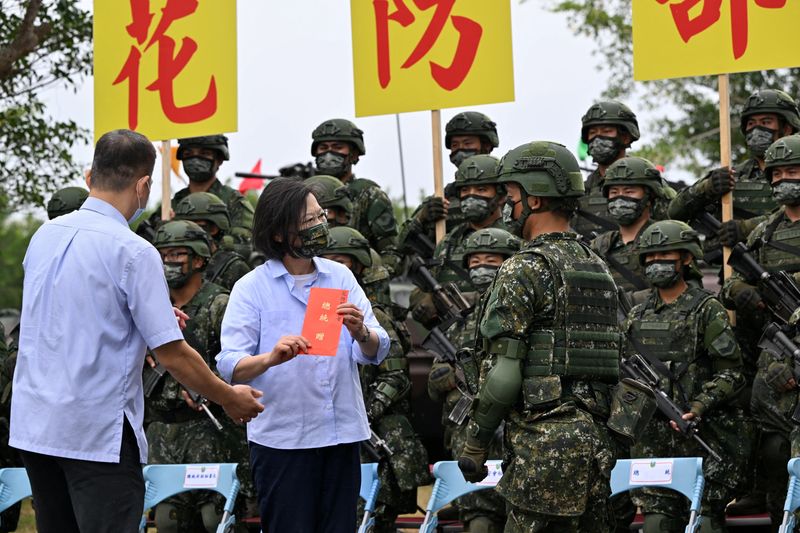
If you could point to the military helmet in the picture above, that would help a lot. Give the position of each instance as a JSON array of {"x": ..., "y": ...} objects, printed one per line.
[
  {"x": 491, "y": 241},
  {"x": 633, "y": 171},
  {"x": 65, "y": 201},
  {"x": 214, "y": 142},
  {"x": 542, "y": 168},
  {"x": 610, "y": 112},
  {"x": 183, "y": 233},
  {"x": 330, "y": 192},
  {"x": 782, "y": 153},
  {"x": 377, "y": 272},
  {"x": 348, "y": 241},
  {"x": 771, "y": 101},
  {"x": 338, "y": 129},
  {"x": 204, "y": 206},
  {"x": 667, "y": 235},
  {"x": 471, "y": 123},
  {"x": 477, "y": 169}
]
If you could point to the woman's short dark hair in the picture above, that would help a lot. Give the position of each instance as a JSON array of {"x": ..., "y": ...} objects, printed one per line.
[
  {"x": 280, "y": 210},
  {"x": 121, "y": 157}
]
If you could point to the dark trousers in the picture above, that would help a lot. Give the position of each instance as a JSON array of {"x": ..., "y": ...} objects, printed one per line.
[
  {"x": 72, "y": 495},
  {"x": 307, "y": 491}
]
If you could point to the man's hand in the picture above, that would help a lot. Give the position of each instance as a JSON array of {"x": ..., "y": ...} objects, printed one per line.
[
  {"x": 749, "y": 300},
  {"x": 433, "y": 209},
  {"x": 721, "y": 181},
  {"x": 242, "y": 405},
  {"x": 472, "y": 461},
  {"x": 442, "y": 378},
  {"x": 780, "y": 377},
  {"x": 181, "y": 317},
  {"x": 191, "y": 403},
  {"x": 730, "y": 233},
  {"x": 688, "y": 416}
]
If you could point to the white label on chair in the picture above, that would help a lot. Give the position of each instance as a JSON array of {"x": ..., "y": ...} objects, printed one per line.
[
  {"x": 495, "y": 467},
  {"x": 651, "y": 472},
  {"x": 201, "y": 477}
]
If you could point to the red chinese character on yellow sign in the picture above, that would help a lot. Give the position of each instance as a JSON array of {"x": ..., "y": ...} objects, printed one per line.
[
  {"x": 169, "y": 64},
  {"x": 469, "y": 38},
  {"x": 165, "y": 68},
  {"x": 689, "y": 26},
  {"x": 410, "y": 55}
]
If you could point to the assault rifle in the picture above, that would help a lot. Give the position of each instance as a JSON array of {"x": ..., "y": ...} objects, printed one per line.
[
  {"x": 776, "y": 341},
  {"x": 151, "y": 377},
  {"x": 376, "y": 447},
  {"x": 450, "y": 303},
  {"x": 203, "y": 403},
  {"x": 637, "y": 369}
]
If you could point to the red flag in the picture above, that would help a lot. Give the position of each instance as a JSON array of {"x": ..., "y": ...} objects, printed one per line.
[{"x": 252, "y": 184}]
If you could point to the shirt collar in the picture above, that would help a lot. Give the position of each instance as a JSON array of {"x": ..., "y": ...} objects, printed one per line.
[
  {"x": 278, "y": 269},
  {"x": 104, "y": 208}
]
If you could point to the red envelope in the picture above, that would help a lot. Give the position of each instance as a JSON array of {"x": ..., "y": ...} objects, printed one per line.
[{"x": 322, "y": 326}]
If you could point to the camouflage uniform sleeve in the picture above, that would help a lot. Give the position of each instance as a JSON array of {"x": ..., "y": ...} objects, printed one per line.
[
  {"x": 241, "y": 212},
  {"x": 690, "y": 200},
  {"x": 216, "y": 312},
  {"x": 392, "y": 383},
  {"x": 719, "y": 343},
  {"x": 736, "y": 283},
  {"x": 382, "y": 232}
]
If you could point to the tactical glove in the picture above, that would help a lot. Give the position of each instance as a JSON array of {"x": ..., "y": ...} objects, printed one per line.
[
  {"x": 780, "y": 376},
  {"x": 442, "y": 378},
  {"x": 731, "y": 233},
  {"x": 749, "y": 300},
  {"x": 432, "y": 210},
  {"x": 472, "y": 461},
  {"x": 720, "y": 182},
  {"x": 424, "y": 311}
]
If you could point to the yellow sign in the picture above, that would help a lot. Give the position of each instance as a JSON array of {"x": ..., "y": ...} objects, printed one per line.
[
  {"x": 165, "y": 68},
  {"x": 446, "y": 53},
  {"x": 681, "y": 38}
]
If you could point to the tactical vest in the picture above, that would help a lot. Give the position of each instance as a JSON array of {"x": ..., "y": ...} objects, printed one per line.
[
  {"x": 451, "y": 254},
  {"x": 671, "y": 336},
  {"x": 582, "y": 340},
  {"x": 624, "y": 261},
  {"x": 778, "y": 231},
  {"x": 594, "y": 203},
  {"x": 219, "y": 263},
  {"x": 752, "y": 194}
]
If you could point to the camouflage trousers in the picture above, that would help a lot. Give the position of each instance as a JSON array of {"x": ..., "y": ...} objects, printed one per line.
[
  {"x": 197, "y": 441},
  {"x": 728, "y": 433},
  {"x": 554, "y": 465},
  {"x": 487, "y": 504}
]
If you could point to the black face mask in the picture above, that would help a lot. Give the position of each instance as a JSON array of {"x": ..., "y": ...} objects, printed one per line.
[
  {"x": 333, "y": 164},
  {"x": 459, "y": 156},
  {"x": 198, "y": 169},
  {"x": 604, "y": 150}
]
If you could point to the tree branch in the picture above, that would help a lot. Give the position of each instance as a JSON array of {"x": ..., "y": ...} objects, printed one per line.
[{"x": 26, "y": 41}]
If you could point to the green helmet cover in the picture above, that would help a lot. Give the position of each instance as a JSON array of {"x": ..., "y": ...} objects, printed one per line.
[
  {"x": 610, "y": 112},
  {"x": 65, "y": 201},
  {"x": 771, "y": 101},
  {"x": 784, "y": 152},
  {"x": 478, "y": 169},
  {"x": 491, "y": 241},
  {"x": 668, "y": 235},
  {"x": 542, "y": 168},
  {"x": 183, "y": 233},
  {"x": 633, "y": 171},
  {"x": 214, "y": 142},
  {"x": 204, "y": 206},
  {"x": 471, "y": 123},
  {"x": 338, "y": 129},
  {"x": 348, "y": 241},
  {"x": 330, "y": 192}
]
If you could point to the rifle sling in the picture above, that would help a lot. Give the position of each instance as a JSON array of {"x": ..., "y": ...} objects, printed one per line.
[
  {"x": 600, "y": 221},
  {"x": 626, "y": 273}
]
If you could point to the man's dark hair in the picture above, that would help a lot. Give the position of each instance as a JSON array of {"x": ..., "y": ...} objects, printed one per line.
[
  {"x": 279, "y": 213},
  {"x": 120, "y": 158}
]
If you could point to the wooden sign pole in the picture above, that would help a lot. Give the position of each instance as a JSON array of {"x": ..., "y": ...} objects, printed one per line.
[
  {"x": 438, "y": 179},
  {"x": 725, "y": 159},
  {"x": 166, "y": 193}
]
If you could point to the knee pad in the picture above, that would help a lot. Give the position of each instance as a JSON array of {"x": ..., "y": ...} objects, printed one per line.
[
  {"x": 661, "y": 523},
  {"x": 212, "y": 514},
  {"x": 167, "y": 518},
  {"x": 483, "y": 524}
]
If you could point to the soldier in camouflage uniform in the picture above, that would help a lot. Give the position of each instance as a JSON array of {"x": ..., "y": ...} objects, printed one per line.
[
  {"x": 484, "y": 252},
  {"x": 550, "y": 322},
  {"x": 467, "y": 134},
  {"x": 177, "y": 430},
  {"x": 65, "y": 201},
  {"x": 333, "y": 197},
  {"x": 387, "y": 395},
  {"x": 9, "y": 458},
  {"x": 690, "y": 343},
  {"x": 481, "y": 201},
  {"x": 775, "y": 245},
  {"x": 337, "y": 144},
  {"x": 202, "y": 157},
  {"x": 206, "y": 210},
  {"x": 631, "y": 186},
  {"x": 767, "y": 115},
  {"x": 609, "y": 128}
]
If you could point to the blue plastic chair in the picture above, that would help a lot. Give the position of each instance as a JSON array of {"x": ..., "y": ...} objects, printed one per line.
[
  {"x": 14, "y": 486},
  {"x": 449, "y": 485},
  {"x": 681, "y": 474},
  {"x": 369, "y": 493},
  {"x": 792, "y": 496},
  {"x": 163, "y": 481}
]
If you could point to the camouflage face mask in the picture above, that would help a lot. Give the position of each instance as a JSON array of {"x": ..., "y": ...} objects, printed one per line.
[
  {"x": 787, "y": 192},
  {"x": 176, "y": 277},
  {"x": 758, "y": 140},
  {"x": 313, "y": 241},
  {"x": 662, "y": 274},
  {"x": 332, "y": 164},
  {"x": 604, "y": 150},
  {"x": 625, "y": 209},
  {"x": 459, "y": 156},
  {"x": 476, "y": 208},
  {"x": 482, "y": 276}
]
